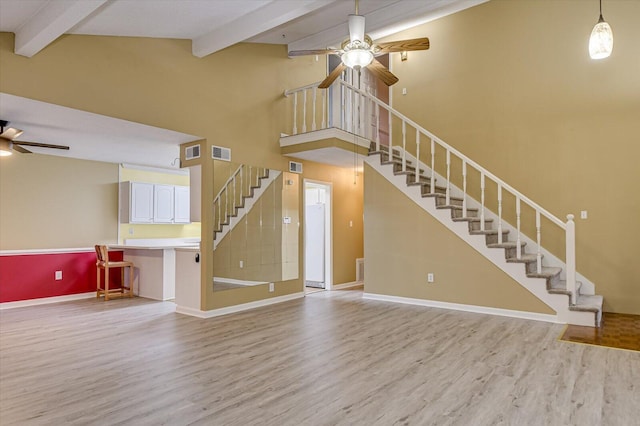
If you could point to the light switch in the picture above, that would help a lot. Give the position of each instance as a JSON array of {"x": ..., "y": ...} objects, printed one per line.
[{"x": 583, "y": 214}]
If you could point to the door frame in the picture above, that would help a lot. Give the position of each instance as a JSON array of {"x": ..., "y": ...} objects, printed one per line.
[{"x": 328, "y": 232}]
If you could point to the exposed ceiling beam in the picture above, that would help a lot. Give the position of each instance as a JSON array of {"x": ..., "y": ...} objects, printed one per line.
[
  {"x": 270, "y": 16},
  {"x": 385, "y": 21},
  {"x": 51, "y": 22}
]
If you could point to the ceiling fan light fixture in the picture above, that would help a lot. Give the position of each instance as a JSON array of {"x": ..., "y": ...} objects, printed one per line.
[
  {"x": 6, "y": 147},
  {"x": 601, "y": 40},
  {"x": 357, "y": 58}
]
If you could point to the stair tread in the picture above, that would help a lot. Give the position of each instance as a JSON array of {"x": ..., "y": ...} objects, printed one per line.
[
  {"x": 547, "y": 272},
  {"x": 488, "y": 232},
  {"x": 560, "y": 287},
  {"x": 588, "y": 303},
  {"x": 470, "y": 219},
  {"x": 453, "y": 206},
  {"x": 525, "y": 258},
  {"x": 438, "y": 195},
  {"x": 506, "y": 244}
]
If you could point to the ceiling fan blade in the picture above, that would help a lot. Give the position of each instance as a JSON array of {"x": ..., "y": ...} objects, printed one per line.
[
  {"x": 11, "y": 133},
  {"x": 382, "y": 72},
  {"x": 295, "y": 53},
  {"x": 40, "y": 145},
  {"x": 332, "y": 77},
  {"x": 21, "y": 149},
  {"x": 403, "y": 45}
]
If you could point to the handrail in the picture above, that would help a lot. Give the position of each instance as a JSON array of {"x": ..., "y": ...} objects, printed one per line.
[
  {"x": 350, "y": 99},
  {"x": 458, "y": 154},
  {"x": 224, "y": 187}
]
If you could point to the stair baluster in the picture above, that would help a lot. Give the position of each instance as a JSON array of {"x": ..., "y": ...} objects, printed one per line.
[
  {"x": 313, "y": 120},
  {"x": 417, "y": 155},
  {"x": 324, "y": 109},
  {"x": 304, "y": 111},
  {"x": 539, "y": 253},
  {"x": 464, "y": 188},
  {"x": 377, "y": 127},
  {"x": 482, "y": 201},
  {"x": 295, "y": 113},
  {"x": 519, "y": 247},
  {"x": 433, "y": 166},
  {"x": 571, "y": 257},
  {"x": 499, "y": 213},
  {"x": 448, "y": 193},
  {"x": 404, "y": 146}
]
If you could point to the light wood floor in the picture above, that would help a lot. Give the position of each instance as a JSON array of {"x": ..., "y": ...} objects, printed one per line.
[{"x": 330, "y": 358}]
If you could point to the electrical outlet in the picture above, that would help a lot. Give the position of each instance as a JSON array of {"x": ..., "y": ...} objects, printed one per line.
[
  {"x": 241, "y": 264},
  {"x": 131, "y": 230},
  {"x": 58, "y": 275},
  {"x": 271, "y": 287},
  {"x": 430, "y": 277},
  {"x": 404, "y": 90},
  {"x": 583, "y": 214}
]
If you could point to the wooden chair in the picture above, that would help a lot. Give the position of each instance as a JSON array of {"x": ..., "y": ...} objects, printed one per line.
[{"x": 103, "y": 263}]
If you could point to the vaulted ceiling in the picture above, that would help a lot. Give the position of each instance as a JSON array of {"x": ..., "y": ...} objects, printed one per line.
[{"x": 211, "y": 25}]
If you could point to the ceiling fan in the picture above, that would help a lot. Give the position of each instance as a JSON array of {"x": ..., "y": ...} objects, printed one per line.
[
  {"x": 8, "y": 144},
  {"x": 359, "y": 51}
]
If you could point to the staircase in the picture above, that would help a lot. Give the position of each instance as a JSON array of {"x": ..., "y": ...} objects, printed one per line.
[
  {"x": 588, "y": 307},
  {"x": 237, "y": 196},
  {"x": 552, "y": 280}
]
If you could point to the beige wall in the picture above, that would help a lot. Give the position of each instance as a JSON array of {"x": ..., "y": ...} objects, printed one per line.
[
  {"x": 511, "y": 85},
  {"x": 403, "y": 243},
  {"x": 233, "y": 98},
  {"x": 43, "y": 203}
]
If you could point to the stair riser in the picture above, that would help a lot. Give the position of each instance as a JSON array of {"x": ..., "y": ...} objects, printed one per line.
[
  {"x": 411, "y": 180},
  {"x": 493, "y": 238},
  {"x": 458, "y": 213},
  {"x": 442, "y": 201},
  {"x": 475, "y": 226},
  {"x": 426, "y": 190}
]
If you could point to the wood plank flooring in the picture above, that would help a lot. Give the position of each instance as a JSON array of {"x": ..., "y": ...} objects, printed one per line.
[
  {"x": 620, "y": 331},
  {"x": 328, "y": 359}
]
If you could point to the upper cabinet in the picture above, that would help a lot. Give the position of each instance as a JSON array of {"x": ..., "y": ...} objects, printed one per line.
[
  {"x": 163, "y": 203},
  {"x": 153, "y": 203},
  {"x": 182, "y": 204}
]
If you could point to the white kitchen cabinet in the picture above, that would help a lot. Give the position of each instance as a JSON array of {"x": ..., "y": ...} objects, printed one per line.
[
  {"x": 182, "y": 205},
  {"x": 154, "y": 203},
  {"x": 136, "y": 202},
  {"x": 163, "y": 203}
]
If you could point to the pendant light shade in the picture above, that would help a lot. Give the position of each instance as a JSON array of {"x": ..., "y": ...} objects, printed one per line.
[{"x": 601, "y": 40}]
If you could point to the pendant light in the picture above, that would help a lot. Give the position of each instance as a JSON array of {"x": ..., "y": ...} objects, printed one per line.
[{"x": 601, "y": 40}]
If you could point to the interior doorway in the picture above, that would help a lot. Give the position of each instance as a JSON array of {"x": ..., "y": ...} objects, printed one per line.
[{"x": 317, "y": 236}]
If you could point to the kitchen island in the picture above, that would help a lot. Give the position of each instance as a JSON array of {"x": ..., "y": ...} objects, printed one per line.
[{"x": 155, "y": 264}]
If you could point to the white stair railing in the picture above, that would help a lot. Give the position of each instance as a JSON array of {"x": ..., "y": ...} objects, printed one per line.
[{"x": 350, "y": 94}]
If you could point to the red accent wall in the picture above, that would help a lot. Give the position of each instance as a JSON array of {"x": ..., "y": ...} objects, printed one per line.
[{"x": 32, "y": 276}]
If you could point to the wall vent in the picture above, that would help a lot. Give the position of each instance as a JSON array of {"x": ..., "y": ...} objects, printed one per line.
[
  {"x": 360, "y": 270},
  {"x": 220, "y": 153},
  {"x": 295, "y": 167},
  {"x": 192, "y": 152}
]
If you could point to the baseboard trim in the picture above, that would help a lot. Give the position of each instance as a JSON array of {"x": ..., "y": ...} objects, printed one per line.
[
  {"x": 46, "y": 300},
  {"x": 237, "y": 308},
  {"x": 466, "y": 308},
  {"x": 347, "y": 285}
]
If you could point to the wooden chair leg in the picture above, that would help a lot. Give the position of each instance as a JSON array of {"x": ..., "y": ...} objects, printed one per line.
[
  {"x": 106, "y": 284},
  {"x": 97, "y": 282},
  {"x": 122, "y": 280},
  {"x": 131, "y": 281}
]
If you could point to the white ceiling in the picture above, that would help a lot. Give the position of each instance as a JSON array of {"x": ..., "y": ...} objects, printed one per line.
[
  {"x": 212, "y": 25},
  {"x": 91, "y": 136}
]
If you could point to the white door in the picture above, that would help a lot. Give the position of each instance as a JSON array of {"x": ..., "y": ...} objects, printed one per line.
[
  {"x": 314, "y": 245},
  {"x": 163, "y": 203},
  {"x": 182, "y": 213},
  {"x": 141, "y": 202}
]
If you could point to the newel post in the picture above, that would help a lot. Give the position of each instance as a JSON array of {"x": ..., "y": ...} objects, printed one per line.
[{"x": 571, "y": 257}]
